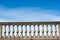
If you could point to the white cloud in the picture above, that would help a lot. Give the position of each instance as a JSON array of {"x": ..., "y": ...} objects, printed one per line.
[{"x": 27, "y": 14}]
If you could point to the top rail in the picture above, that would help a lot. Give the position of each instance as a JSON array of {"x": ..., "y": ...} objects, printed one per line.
[{"x": 48, "y": 22}]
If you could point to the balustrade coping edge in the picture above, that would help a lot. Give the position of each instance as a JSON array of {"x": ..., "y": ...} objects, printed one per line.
[{"x": 44, "y": 22}]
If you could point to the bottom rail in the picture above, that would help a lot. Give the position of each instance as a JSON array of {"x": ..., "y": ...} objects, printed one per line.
[{"x": 26, "y": 39}]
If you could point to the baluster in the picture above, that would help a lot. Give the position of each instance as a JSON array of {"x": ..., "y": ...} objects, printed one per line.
[
  {"x": 0, "y": 31},
  {"x": 42, "y": 31},
  {"x": 21, "y": 31},
  {"x": 13, "y": 32},
  {"x": 38, "y": 31},
  {"x": 29, "y": 31},
  {"x": 17, "y": 31},
  {"x": 51, "y": 31},
  {"x": 34, "y": 31},
  {"x": 25, "y": 30},
  {"x": 4, "y": 31},
  {"x": 8, "y": 31},
  {"x": 47, "y": 31},
  {"x": 55, "y": 31}
]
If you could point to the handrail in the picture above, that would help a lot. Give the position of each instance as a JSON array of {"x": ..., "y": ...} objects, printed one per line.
[{"x": 46, "y": 22}]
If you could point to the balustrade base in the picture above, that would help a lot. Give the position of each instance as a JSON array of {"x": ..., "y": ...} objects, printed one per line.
[{"x": 26, "y": 39}]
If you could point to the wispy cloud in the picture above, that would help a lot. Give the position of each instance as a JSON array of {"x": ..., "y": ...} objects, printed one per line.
[{"x": 27, "y": 14}]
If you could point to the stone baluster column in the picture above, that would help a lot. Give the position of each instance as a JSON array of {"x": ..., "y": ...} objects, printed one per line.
[
  {"x": 17, "y": 36},
  {"x": 51, "y": 31},
  {"x": 55, "y": 31},
  {"x": 25, "y": 30},
  {"x": 21, "y": 30},
  {"x": 59, "y": 29},
  {"x": 4, "y": 31},
  {"x": 17, "y": 31},
  {"x": 0, "y": 31},
  {"x": 29, "y": 31},
  {"x": 38, "y": 32},
  {"x": 13, "y": 32},
  {"x": 42, "y": 31},
  {"x": 47, "y": 31},
  {"x": 34, "y": 31},
  {"x": 8, "y": 31}
]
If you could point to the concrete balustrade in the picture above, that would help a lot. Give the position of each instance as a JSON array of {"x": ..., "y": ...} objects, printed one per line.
[{"x": 29, "y": 30}]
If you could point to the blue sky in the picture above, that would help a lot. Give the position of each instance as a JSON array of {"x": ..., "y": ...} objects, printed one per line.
[{"x": 29, "y": 10}]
